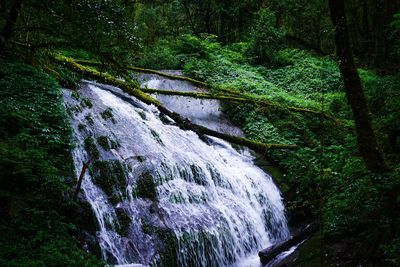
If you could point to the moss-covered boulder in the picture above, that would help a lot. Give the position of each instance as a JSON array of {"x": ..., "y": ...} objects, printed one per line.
[
  {"x": 145, "y": 187},
  {"x": 110, "y": 176}
]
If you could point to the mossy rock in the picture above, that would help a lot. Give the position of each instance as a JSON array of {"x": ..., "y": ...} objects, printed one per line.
[
  {"x": 145, "y": 187},
  {"x": 124, "y": 222},
  {"x": 169, "y": 248},
  {"x": 106, "y": 143},
  {"x": 89, "y": 119},
  {"x": 156, "y": 137},
  {"x": 91, "y": 148},
  {"x": 111, "y": 177},
  {"x": 86, "y": 103},
  {"x": 108, "y": 115},
  {"x": 103, "y": 141}
]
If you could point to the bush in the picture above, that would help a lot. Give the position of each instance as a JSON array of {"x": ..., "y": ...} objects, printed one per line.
[
  {"x": 266, "y": 40},
  {"x": 35, "y": 163}
]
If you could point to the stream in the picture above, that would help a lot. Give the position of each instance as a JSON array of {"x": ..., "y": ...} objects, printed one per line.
[{"x": 163, "y": 196}]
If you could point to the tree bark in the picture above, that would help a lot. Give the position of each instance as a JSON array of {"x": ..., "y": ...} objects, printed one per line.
[
  {"x": 8, "y": 28},
  {"x": 366, "y": 139},
  {"x": 80, "y": 179}
]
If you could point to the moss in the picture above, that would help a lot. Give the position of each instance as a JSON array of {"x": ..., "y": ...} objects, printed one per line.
[
  {"x": 81, "y": 127},
  {"x": 108, "y": 115},
  {"x": 86, "y": 103},
  {"x": 110, "y": 176},
  {"x": 168, "y": 251},
  {"x": 146, "y": 188},
  {"x": 173, "y": 77},
  {"x": 156, "y": 137},
  {"x": 103, "y": 141},
  {"x": 124, "y": 222},
  {"x": 91, "y": 148},
  {"x": 76, "y": 95},
  {"x": 114, "y": 144},
  {"x": 89, "y": 119},
  {"x": 106, "y": 143}
]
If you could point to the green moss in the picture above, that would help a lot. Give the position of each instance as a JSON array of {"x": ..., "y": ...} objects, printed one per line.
[
  {"x": 156, "y": 137},
  {"x": 103, "y": 141},
  {"x": 89, "y": 119},
  {"x": 91, "y": 148},
  {"x": 146, "y": 188},
  {"x": 108, "y": 115},
  {"x": 110, "y": 176},
  {"x": 75, "y": 94},
  {"x": 86, "y": 103},
  {"x": 81, "y": 127},
  {"x": 114, "y": 144},
  {"x": 124, "y": 222}
]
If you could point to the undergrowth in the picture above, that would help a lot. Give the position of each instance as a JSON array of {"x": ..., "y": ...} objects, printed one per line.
[{"x": 35, "y": 173}]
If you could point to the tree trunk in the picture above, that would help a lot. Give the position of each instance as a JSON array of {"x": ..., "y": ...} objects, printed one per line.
[
  {"x": 8, "y": 28},
  {"x": 367, "y": 144},
  {"x": 81, "y": 175}
]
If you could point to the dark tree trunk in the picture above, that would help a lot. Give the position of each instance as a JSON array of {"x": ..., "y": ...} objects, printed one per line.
[
  {"x": 367, "y": 144},
  {"x": 8, "y": 28},
  {"x": 190, "y": 17},
  {"x": 81, "y": 176}
]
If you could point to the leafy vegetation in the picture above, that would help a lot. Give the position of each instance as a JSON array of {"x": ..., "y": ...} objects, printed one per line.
[
  {"x": 268, "y": 51},
  {"x": 35, "y": 227},
  {"x": 329, "y": 177}
]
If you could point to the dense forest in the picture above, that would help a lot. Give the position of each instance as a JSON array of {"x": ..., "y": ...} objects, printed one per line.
[{"x": 314, "y": 86}]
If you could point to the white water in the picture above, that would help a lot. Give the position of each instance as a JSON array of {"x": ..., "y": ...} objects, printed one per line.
[{"x": 218, "y": 207}]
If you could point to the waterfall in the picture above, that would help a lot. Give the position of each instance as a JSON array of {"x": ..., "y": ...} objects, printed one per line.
[{"x": 163, "y": 196}]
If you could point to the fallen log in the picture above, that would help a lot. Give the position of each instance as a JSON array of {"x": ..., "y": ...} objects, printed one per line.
[
  {"x": 268, "y": 254},
  {"x": 230, "y": 96},
  {"x": 182, "y": 122},
  {"x": 149, "y": 71}
]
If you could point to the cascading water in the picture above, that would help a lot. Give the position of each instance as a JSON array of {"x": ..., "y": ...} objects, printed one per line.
[{"x": 161, "y": 195}]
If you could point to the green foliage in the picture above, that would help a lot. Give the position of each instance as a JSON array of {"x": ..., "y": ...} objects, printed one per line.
[
  {"x": 34, "y": 167},
  {"x": 161, "y": 55},
  {"x": 329, "y": 178},
  {"x": 266, "y": 40},
  {"x": 395, "y": 33}
]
